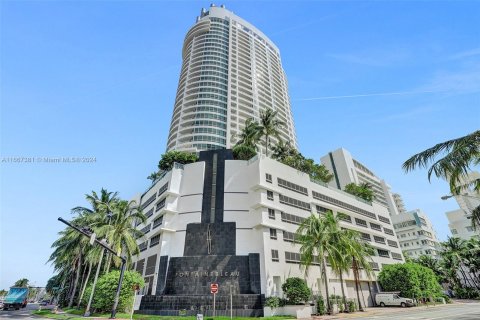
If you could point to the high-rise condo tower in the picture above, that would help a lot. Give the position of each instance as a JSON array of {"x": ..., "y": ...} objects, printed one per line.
[{"x": 230, "y": 72}]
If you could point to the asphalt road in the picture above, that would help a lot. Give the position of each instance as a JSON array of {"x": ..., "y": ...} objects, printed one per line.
[
  {"x": 25, "y": 313},
  {"x": 458, "y": 311}
]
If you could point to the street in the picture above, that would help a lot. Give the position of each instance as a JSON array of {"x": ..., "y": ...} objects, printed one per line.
[
  {"x": 25, "y": 313},
  {"x": 457, "y": 311}
]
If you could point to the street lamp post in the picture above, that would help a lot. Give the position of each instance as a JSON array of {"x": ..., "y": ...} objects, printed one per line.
[
  {"x": 105, "y": 247},
  {"x": 445, "y": 197}
]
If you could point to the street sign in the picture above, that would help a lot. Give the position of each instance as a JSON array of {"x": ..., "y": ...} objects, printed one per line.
[
  {"x": 92, "y": 238},
  {"x": 214, "y": 288}
]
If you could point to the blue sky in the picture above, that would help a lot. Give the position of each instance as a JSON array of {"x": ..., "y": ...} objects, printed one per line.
[{"x": 98, "y": 79}]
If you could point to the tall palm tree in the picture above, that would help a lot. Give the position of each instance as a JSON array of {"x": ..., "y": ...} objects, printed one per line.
[
  {"x": 98, "y": 216},
  {"x": 121, "y": 234},
  {"x": 457, "y": 157},
  {"x": 454, "y": 249},
  {"x": 249, "y": 135},
  {"x": 341, "y": 255},
  {"x": 282, "y": 149},
  {"x": 269, "y": 126},
  {"x": 317, "y": 245},
  {"x": 361, "y": 255}
]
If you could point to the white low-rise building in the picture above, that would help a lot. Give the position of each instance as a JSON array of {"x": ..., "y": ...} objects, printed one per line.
[
  {"x": 416, "y": 234},
  {"x": 262, "y": 204},
  {"x": 460, "y": 220}
]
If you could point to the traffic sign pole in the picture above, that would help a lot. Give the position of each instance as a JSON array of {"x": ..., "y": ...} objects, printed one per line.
[{"x": 214, "y": 304}]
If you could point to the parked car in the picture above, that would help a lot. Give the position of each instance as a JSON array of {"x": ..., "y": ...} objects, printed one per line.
[{"x": 393, "y": 299}]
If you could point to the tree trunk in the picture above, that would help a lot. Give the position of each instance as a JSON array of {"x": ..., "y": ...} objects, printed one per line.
[
  {"x": 108, "y": 262},
  {"x": 84, "y": 286},
  {"x": 329, "y": 307},
  {"x": 371, "y": 295},
  {"x": 266, "y": 145},
  {"x": 344, "y": 299},
  {"x": 77, "y": 277},
  {"x": 356, "y": 277},
  {"x": 87, "y": 311}
]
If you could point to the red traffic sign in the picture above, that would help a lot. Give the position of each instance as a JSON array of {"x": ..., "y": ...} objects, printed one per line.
[{"x": 213, "y": 288}]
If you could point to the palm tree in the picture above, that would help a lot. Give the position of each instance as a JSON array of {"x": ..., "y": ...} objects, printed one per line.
[
  {"x": 249, "y": 135},
  {"x": 454, "y": 250},
  {"x": 459, "y": 155},
  {"x": 269, "y": 126},
  {"x": 341, "y": 255},
  {"x": 283, "y": 150},
  {"x": 360, "y": 253},
  {"x": 476, "y": 218},
  {"x": 21, "y": 283},
  {"x": 317, "y": 245},
  {"x": 98, "y": 216},
  {"x": 121, "y": 234}
]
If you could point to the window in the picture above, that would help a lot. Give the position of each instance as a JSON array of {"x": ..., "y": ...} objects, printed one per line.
[
  {"x": 149, "y": 201},
  {"x": 384, "y": 220},
  {"x": 292, "y": 257},
  {"x": 392, "y": 243},
  {"x": 344, "y": 217},
  {"x": 275, "y": 255},
  {"x": 268, "y": 177},
  {"x": 292, "y": 186},
  {"x": 157, "y": 222},
  {"x": 273, "y": 234},
  {"x": 294, "y": 202},
  {"x": 289, "y": 236},
  {"x": 396, "y": 256},
  {"x": 405, "y": 224},
  {"x": 146, "y": 229},
  {"x": 290, "y": 218},
  {"x": 469, "y": 229},
  {"x": 143, "y": 246},
  {"x": 375, "y": 226},
  {"x": 149, "y": 213},
  {"x": 454, "y": 231},
  {"x": 388, "y": 231},
  {"x": 383, "y": 253},
  {"x": 269, "y": 195},
  {"x": 271, "y": 214},
  {"x": 374, "y": 266},
  {"x": 155, "y": 240},
  {"x": 365, "y": 236},
  {"x": 321, "y": 209},
  {"x": 361, "y": 222},
  {"x": 344, "y": 205},
  {"x": 163, "y": 189},
  {"x": 160, "y": 205},
  {"x": 379, "y": 239}
]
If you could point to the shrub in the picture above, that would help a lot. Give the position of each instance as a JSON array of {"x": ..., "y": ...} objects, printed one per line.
[
  {"x": 273, "y": 303},
  {"x": 411, "y": 279},
  {"x": 466, "y": 293},
  {"x": 321, "y": 306},
  {"x": 296, "y": 290},
  {"x": 351, "y": 306},
  {"x": 107, "y": 287},
  {"x": 243, "y": 152},
  {"x": 169, "y": 158}
]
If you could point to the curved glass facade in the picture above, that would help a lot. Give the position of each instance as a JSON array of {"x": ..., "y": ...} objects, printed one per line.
[{"x": 230, "y": 72}]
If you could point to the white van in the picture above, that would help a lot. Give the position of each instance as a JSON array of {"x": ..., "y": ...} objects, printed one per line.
[{"x": 392, "y": 299}]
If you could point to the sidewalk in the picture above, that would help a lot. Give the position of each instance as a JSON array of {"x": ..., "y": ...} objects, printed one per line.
[{"x": 376, "y": 312}]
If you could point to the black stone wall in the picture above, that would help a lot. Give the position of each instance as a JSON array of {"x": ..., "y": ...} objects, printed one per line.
[
  {"x": 162, "y": 275},
  {"x": 193, "y": 275},
  {"x": 222, "y": 239}
]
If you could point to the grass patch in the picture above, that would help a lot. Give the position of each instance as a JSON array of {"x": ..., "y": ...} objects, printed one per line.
[{"x": 76, "y": 314}]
